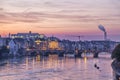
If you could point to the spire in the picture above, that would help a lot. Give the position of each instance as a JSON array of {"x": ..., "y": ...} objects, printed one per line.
[
  {"x": 30, "y": 32},
  {"x": 9, "y": 35}
]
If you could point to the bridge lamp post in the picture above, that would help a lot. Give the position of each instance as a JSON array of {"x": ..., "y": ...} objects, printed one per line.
[
  {"x": 28, "y": 49},
  {"x": 8, "y": 47}
]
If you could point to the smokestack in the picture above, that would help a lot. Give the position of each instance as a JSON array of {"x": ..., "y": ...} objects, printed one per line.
[{"x": 101, "y": 27}]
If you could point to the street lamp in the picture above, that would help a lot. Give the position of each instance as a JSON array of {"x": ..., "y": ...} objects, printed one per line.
[{"x": 38, "y": 43}]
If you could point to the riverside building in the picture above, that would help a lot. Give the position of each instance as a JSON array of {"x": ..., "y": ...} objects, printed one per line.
[{"x": 28, "y": 35}]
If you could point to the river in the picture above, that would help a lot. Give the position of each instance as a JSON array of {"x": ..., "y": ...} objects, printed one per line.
[{"x": 55, "y": 68}]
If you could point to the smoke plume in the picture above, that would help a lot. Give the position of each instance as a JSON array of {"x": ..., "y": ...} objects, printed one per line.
[{"x": 101, "y": 27}]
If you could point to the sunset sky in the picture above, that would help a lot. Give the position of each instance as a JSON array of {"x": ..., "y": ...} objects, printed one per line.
[{"x": 61, "y": 18}]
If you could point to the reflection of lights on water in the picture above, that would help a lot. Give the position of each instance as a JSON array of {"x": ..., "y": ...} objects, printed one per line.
[
  {"x": 8, "y": 64},
  {"x": 62, "y": 64},
  {"x": 85, "y": 60},
  {"x": 49, "y": 64},
  {"x": 43, "y": 62},
  {"x": 53, "y": 61},
  {"x": 56, "y": 63},
  {"x": 38, "y": 58},
  {"x": 79, "y": 61},
  {"x": 26, "y": 62},
  {"x": 33, "y": 63}
]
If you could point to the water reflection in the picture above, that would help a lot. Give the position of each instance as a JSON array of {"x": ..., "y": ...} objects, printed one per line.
[
  {"x": 55, "y": 68},
  {"x": 85, "y": 60},
  {"x": 26, "y": 63}
]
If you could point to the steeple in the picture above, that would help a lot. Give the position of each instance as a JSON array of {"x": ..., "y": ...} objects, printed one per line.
[
  {"x": 30, "y": 32},
  {"x": 9, "y": 35}
]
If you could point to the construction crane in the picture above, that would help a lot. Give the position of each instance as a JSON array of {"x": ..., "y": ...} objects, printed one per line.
[{"x": 79, "y": 36}]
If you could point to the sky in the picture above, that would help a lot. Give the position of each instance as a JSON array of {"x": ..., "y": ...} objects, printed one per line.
[{"x": 61, "y": 18}]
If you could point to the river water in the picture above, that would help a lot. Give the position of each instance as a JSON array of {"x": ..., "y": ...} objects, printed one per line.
[{"x": 55, "y": 68}]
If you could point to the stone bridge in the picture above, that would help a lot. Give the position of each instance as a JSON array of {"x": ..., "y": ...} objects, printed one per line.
[
  {"x": 61, "y": 53},
  {"x": 34, "y": 52}
]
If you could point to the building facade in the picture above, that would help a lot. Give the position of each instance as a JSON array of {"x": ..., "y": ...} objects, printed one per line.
[{"x": 28, "y": 35}]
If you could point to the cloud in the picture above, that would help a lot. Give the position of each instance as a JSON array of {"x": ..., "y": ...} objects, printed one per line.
[
  {"x": 48, "y": 27},
  {"x": 4, "y": 19},
  {"x": 73, "y": 10},
  {"x": 19, "y": 17},
  {"x": 48, "y": 3},
  {"x": 5, "y": 22},
  {"x": 53, "y": 4},
  {"x": 36, "y": 17},
  {"x": 115, "y": 15},
  {"x": 1, "y": 9}
]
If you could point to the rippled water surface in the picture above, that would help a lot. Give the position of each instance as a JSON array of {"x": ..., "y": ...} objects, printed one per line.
[{"x": 55, "y": 68}]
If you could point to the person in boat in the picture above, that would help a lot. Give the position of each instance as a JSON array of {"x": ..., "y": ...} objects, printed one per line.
[{"x": 96, "y": 66}]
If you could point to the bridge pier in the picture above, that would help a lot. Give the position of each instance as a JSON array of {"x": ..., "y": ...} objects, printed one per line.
[
  {"x": 44, "y": 53},
  {"x": 95, "y": 55},
  {"x": 34, "y": 53},
  {"x": 61, "y": 54},
  {"x": 78, "y": 56}
]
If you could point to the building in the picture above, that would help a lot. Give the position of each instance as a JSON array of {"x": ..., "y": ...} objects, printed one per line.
[
  {"x": 28, "y": 35},
  {"x": 54, "y": 43},
  {"x": 13, "y": 47},
  {"x": 2, "y": 42}
]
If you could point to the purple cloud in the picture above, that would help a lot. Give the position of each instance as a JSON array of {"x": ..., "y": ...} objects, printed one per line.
[{"x": 36, "y": 17}]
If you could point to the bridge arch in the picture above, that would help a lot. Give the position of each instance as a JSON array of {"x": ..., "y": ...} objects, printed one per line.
[
  {"x": 34, "y": 53},
  {"x": 100, "y": 54}
]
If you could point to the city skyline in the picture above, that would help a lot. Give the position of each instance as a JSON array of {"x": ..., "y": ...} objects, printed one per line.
[{"x": 61, "y": 18}]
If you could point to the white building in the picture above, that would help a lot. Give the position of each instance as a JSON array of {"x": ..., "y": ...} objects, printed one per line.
[
  {"x": 13, "y": 47},
  {"x": 27, "y": 35}
]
